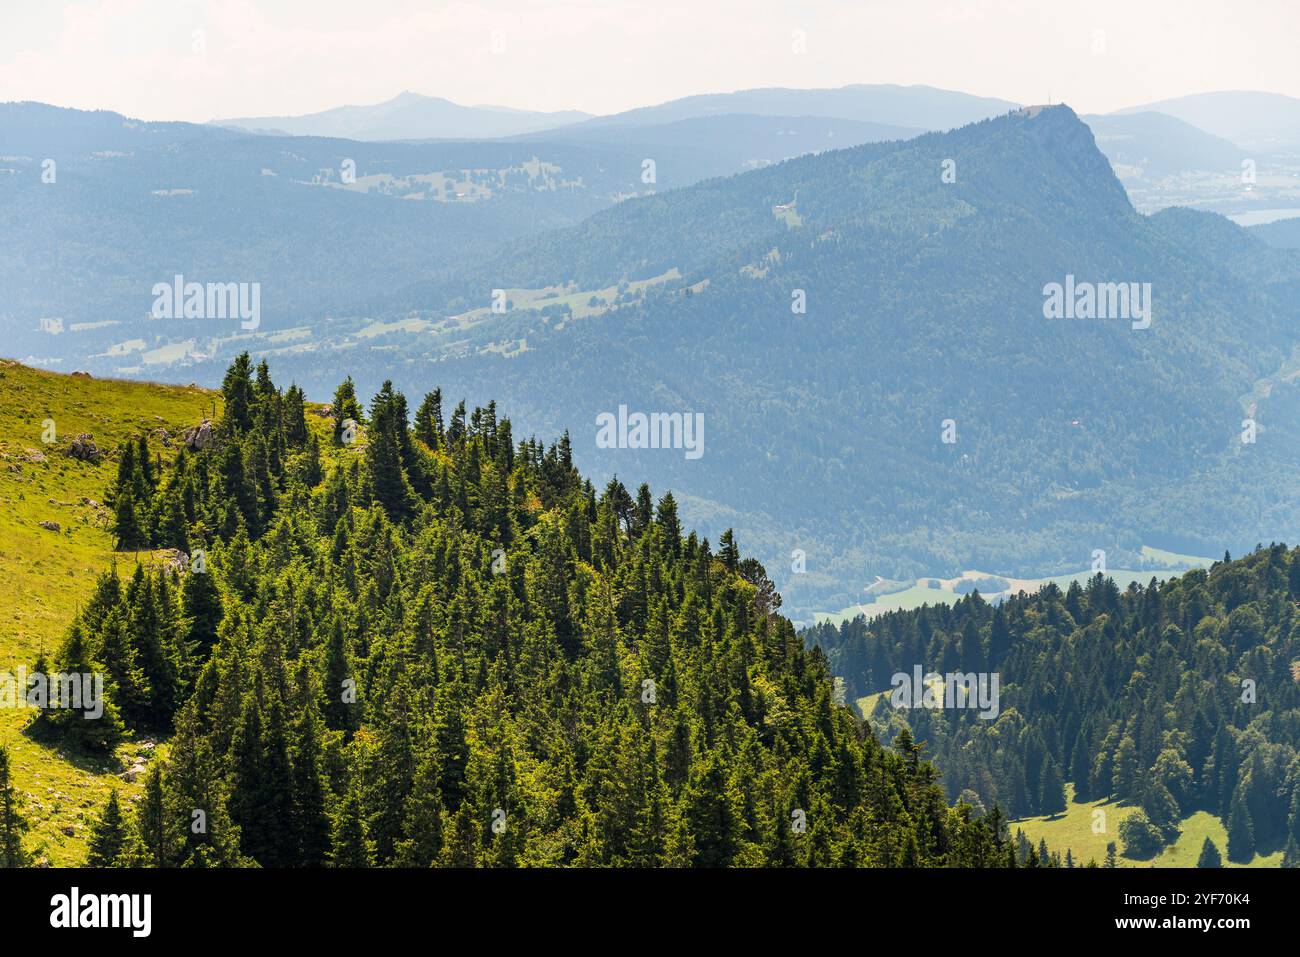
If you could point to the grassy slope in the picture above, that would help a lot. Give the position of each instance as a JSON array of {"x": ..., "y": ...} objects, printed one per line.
[
  {"x": 1073, "y": 830},
  {"x": 47, "y": 575}
]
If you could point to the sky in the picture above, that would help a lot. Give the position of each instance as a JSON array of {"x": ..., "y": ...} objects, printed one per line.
[{"x": 200, "y": 60}]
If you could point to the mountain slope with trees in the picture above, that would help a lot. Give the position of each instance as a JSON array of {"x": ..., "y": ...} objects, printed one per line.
[
  {"x": 1177, "y": 697},
  {"x": 391, "y": 645},
  {"x": 923, "y": 303}
]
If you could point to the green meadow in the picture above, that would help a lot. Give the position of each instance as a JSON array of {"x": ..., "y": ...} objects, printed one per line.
[
  {"x": 1075, "y": 830},
  {"x": 48, "y": 573}
]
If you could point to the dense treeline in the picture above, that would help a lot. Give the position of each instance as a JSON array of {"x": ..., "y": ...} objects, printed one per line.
[
  {"x": 432, "y": 645},
  {"x": 1180, "y": 696}
]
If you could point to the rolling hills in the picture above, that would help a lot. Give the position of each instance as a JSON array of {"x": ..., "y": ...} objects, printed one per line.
[
  {"x": 924, "y": 303},
  {"x": 1252, "y": 119},
  {"x": 408, "y": 116},
  {"x": 922, "y": 295},
  {"x": 108, "y": 206},
  {"x": 1168, "y": 700}
]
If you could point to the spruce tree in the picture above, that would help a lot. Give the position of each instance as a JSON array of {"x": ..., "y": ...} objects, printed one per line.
[
  {"x": 1209, "y": 855},
  {"x": 201, "y": 610},
  {"x": 311, "y": 821},
  {"x": 428, "y": 420},
  {"x": 158, "y": 834},
  {"x": 128, "y": 531},
  {"x": 13, "y": 825},
  {"x": 345, "y": 408},
  {"x": 384, "y": 461},
  {"x": 237, "y": 393},
  {"x": 109, "y": 835},
  {"x": 1052, "y": 793},
  {"x": 349, "y": 847},
  {"x": 294, "y": 413},
  {"x": 1241, "y": 831}
]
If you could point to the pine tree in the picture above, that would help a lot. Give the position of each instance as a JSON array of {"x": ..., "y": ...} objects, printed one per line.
[
  {"x": 78, "y": 725},
  {"x": 428, "y": 420},
  {"x": 1209, "y": 855},
  {"x": 196, "y": 799},
  {"x": 109, "y": 835},
  {"x": 237, "y": 394},
  {"x": 311, "y": 822},
  {"x": 728, "y": 551},
  {"x": 312, "y": 470},
  {"x": 1241, "y": 831},
  {"x": 1052, "y": 792},
  {"x": 295, "y": 417},
  {"x": 201, "y": 610},
  {"x": 345, "y": 408},
  {"x": 384, "y": 461},
  {"x": 12, "y": 822},
  {"x": 158, "y": 838},
  {"x": 422, "y": 845},
  {"x": 339, "y": 684},
  {"x": 349, "y": 847},
  {"x": 126, "y": 684},
  {"x": 128, "y": 532}
]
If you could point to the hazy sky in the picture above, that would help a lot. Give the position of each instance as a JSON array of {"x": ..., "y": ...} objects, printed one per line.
[{"x": 201, "y": 59}]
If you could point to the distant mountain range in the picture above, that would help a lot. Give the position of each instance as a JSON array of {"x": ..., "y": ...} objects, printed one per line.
[
  {"x": 408, "y": 116},
  {"x": 909, "y": 107},
  {"x": 1188, "y": 151},
  {"x": 669, "y": 287},
  {"x": 896, "y": 111},
  {"x": 1151, "y": 146},
  {"x": 1268, "y": 122},
  {"x": 924, "y": 309},
  {"x": 323, "y": 224}
]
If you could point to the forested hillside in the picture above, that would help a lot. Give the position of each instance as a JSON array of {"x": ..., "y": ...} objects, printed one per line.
[
  {"x": 379, "y": 645},
  {"x": 922, "y": 302},
  {"x": 325, "y": 226},
  {"x": 850, "y": 302},
  {"x": 1177, "y": 697}
]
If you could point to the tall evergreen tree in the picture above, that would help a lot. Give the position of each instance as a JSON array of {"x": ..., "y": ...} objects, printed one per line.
[
  {"x": 1209, "y": 855},
  {"x": 13, "y": 824},
  {"x": 109, "y": 835}
]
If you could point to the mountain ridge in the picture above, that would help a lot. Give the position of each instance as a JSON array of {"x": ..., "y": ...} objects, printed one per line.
[{"x": 408, "y": 116}]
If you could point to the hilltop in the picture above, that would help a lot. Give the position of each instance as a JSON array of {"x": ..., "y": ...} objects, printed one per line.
[{"x": 435, "y": 645}]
